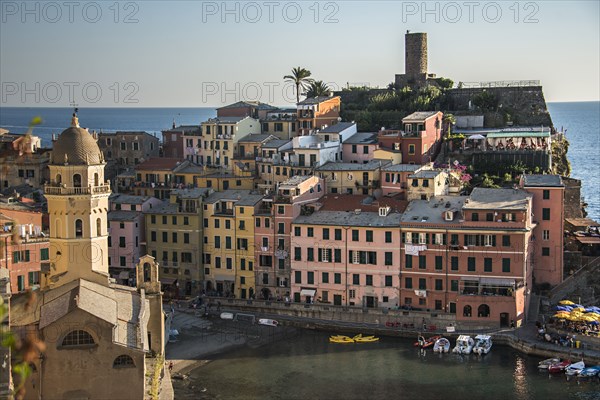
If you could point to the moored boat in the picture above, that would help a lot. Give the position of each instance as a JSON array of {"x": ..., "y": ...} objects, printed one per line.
[
  {"x": 559, "y": 366},
  {"x": 425, "y": 343},
  {"x": 340, "y": 339},
  {"x": 226, "y": 315},
  {"x": 464, "y": 345},
  {"x": 442, "y": 345},
  {"x": 574, "y": 369},
  {"x": 483, "y": 344},
  {"x": 544, "y": 364},
  {"x": 589, "y": 372},
  {"x": 268, "y": 322},
  {"x": 365, "y": 339}
]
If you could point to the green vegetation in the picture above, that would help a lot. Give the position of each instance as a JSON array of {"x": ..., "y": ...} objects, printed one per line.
[
  {"x": 301, "y": 78},
  {"x": 318, "y": 88}
]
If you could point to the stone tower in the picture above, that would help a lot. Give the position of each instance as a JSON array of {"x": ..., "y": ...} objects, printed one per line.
[
  {"x": 415, "y": 62},
  {"x": 77, "y": 207}
]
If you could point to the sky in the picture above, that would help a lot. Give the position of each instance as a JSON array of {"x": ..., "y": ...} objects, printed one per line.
[{"x": 210, "y": 53}]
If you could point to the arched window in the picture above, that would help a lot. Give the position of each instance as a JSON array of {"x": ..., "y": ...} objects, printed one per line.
[
  {"x": 123, "y": 361},
  {"x": 98, "y": 227},
  {"x": 76, "y": 180},
  {"x": 467, "y": 310},
  {"x": 77, "y": 338},
  {"x": 96, "y": 179},
  {"x": 58, "y": 179},
  {"x": 483, "y": 310},
  {"x": 78, "y": 228},
  {"x": 146, "y": 272},
  {"x": 58, "y": 228}
]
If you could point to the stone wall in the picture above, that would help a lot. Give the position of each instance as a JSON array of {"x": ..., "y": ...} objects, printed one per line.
[
  {"x": 525, "y": 104},
  {"x": 573, "y": 206}
]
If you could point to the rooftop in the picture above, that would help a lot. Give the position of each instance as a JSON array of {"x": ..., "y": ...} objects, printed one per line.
[
  {"x": 350, "y": 219},
  {"x": 316, "y": 100},
  {"x": 401, "y": 168},
  {"x": 426, "y": 174},
  {"x": 295, "y": 180},
  {"x": 498, "y": 199},
  {"x": 241, "y": 197},
  {"x": 542, "y": 181},
  {"x": 351, "y": 202},
  {"x": 256, "y": 104},
  {"x": 183, "y": 128},
  {"x": 255, "y": 138},
  {"x": 224, "y": 120},
  {"x": 337, "y": 128},
  {"x": 362, "y": 138},
  {"x": 432, "y": 211},
  {"x": 275, "y": 143},
  {"x": 195, "y": 193},
  {"x": 341, "y": 166},
  {"x": 420, "y": 116},
  {"x": 119, "y": 198},
  {"x": 123, "y": 215},
  {"x": 161, "y": 163}
]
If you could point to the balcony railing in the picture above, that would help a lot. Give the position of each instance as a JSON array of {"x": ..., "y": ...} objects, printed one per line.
[{"x": 65, "y": 190}]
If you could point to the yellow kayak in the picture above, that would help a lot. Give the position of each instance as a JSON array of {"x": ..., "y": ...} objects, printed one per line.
[
  {"x": 366, "y": 339},
  {"x": 340, "y": 339}
]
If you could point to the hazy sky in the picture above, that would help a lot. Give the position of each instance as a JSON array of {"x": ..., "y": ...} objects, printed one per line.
[{"x": 192, "y": 53}]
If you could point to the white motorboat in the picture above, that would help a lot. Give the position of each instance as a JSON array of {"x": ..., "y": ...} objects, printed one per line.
[
  {"x": 483, "y": 344},
  {"x": 268, "y": 322},
  {"x": 545, "y": 364},
  {"x": 574, "y": 369},
  {"x": 464, "y": 345},
  {"x": 442, "y": 345},
  {"x": 226, "y": 315}
]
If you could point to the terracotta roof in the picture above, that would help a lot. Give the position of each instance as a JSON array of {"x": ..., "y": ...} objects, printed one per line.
[
  {"x": 351, "y": 202},
  {"x": 159, "y": 164}
]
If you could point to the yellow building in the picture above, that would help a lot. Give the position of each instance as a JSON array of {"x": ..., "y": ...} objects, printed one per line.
[
  {"x": 280, "y": 123},
  {"x": 174, "y": 234},
  {"x": 427, "y": 183},
  {"x": 229, "y": 243},
  {"x": 220, "y": 137},
  {"x": 157, "y": 176},
  {"x": 241, "y": 177}
]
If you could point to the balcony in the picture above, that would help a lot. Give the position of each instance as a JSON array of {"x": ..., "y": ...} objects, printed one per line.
[
  {"x": 225, "y": 211},
  {"x": 65, "y": 190}
]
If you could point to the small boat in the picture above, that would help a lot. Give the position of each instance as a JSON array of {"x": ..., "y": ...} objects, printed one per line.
[
  {"x": 365, "y": 339},
  {"x": 464, "y": 345},
  {"x": 589, "y": 372},
  {"x": 425, "y": 343},
  {"x": 483, "y": 344},
  {"x": 341, "y": 339},
  {"x": 226, "y": 315},
  {"x": 559, "y": 366},
  {"x": 544, "y": 364},
  {"x": 268, "y": 322},
  {"x": 442, "y": 345},
  {"x": 574, "y": 369}
]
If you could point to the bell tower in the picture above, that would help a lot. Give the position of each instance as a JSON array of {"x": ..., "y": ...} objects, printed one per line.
[{"x": 77, "y": 206}]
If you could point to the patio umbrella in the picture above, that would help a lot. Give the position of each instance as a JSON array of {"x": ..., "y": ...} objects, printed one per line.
[
  {"x": 476, "y": 137},
  {"x": 566, "y": 302}
]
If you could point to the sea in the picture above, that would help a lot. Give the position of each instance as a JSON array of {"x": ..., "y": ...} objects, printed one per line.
[{"x": 580, "y": 121}]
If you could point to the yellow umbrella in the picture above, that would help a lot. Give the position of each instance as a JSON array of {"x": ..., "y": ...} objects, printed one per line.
[
  {"x": 579, "y": 309},
  {"x": 565, "y": 302}
]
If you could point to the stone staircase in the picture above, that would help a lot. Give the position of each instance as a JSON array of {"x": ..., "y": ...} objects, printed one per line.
[{"x": 583, "y": 285}]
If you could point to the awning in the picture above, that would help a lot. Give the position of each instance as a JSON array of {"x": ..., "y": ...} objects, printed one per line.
[
  {"x": 469, "y": 278},
  {"x": 497, "y": 281},
  {"x": 167, "y": 281},
  {"x": 124, "y": 275},
  {"x": 308, "y": 292}
]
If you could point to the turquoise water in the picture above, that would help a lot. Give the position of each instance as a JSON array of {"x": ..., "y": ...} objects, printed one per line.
[{"x": 309, "y": 367}]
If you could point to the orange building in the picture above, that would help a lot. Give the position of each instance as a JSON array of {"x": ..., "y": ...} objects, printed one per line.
[{"x": 317, "y": 112}]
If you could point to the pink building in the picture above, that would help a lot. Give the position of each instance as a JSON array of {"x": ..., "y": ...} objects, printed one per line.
[
  {"x": 272, "y": 233},
  {"x": 394, "y": 178},
  {"x": 126, "y": 225},
  {"x": 548, "y": 204},
  {"x": 348, "y": 256},
  {"x": 359, "y": 148}
]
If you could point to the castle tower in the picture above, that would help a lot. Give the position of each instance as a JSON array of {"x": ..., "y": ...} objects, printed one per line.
[
  {"x": 415, "y": 45},
  {"x": 77, "y": 206}
]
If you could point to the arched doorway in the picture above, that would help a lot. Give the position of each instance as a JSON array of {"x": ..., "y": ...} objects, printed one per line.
[
  {"x": 483, "y": 311},
  {"x": 265, "y": 293},
  {"x": 467, "y": 311},
  {"x": 76, "y": 180}
]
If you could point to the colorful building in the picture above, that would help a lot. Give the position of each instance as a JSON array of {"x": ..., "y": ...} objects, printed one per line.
[
  {"x": 280, "y": 123},
  {"x": 220, "y": 137},
  {"x": 419, "y": 140},
  {"x": 174, "y": 233},
  {"x": 352, "y": 178},
  {"x": 228, "y": 245},
  {"x": 316, "y": 113},
  {"x": 360, "y": 148}
]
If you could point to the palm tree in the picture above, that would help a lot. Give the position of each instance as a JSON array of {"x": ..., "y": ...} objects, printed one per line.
[
  {"x": 449, "y": 120},
  {"x": 318, "y": 88},
  {"x": 301, "y": 78}
]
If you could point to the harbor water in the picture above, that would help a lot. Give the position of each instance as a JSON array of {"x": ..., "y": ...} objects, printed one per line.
[{"x": 304, "y": 365}]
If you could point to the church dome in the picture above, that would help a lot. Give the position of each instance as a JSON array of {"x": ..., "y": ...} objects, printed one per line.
[{"x": 76, "y": 146}]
